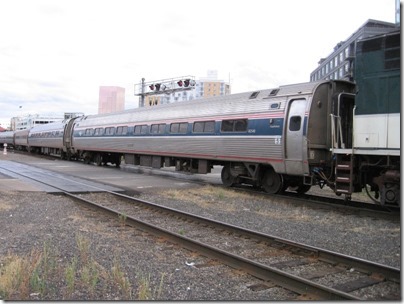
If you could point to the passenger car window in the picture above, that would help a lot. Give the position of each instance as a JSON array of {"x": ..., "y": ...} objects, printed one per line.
[
  {"x": 209, "y": 127},
  {"x": 157, "y": 128},
  {"x": 183, "y": 128},
  {"x": 144, "y": 129},
  {"x": 88, "y": 132},
  {"x": 99, "y": 131},
  {"x": 294, "y": 123},
  {"x": 180, "y": 128},
  {"x": 198, "y": 127},
  {"x": 110, "y": 131},
  {"x": 204, "y": 126},
  {"x": 122, "y": 130},
  {"x": 141, "y": 129},
  {"x": 238, "y": 125}
]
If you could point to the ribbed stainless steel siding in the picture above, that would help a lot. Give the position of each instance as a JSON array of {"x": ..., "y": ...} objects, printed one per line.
[
  {"x": 215, "y": 147},
  {"x": 21, "y": 138},
  {"x": 49, "y": 142},
  {"x": 7, "y": 137},
  {"x": 46, "y": 142}
]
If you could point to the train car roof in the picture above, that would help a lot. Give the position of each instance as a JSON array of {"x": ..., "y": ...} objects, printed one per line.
[
  {"x": 225, "y": 104},
  {"x": 6, "y": 133},
  {"x": 56, "y": 125}
]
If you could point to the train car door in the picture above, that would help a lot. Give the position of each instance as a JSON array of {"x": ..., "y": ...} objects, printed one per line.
[
  {"x": 67, "y": 135},
  {"x": 295, "y": 143}
]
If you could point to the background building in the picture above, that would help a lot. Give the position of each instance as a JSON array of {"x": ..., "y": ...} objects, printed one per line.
[
  {"x": 29, "y": 121},
  {"x": 340, "y": 63},
  {"x": 111, "y": 99}
]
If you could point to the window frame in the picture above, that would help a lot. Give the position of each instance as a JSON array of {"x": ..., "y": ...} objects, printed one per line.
[
  {"x": 143, "y": 129},
  {"x": 203, "y": 126},
  {"x": 121, "y": 130},
  {"x": 293, "y": 124},
  {"x": 231, "y": 125},
  {"x": 179, "y": 128},
  {"x": 99, "y": 132},
  {"x": 160, "y": 128}
]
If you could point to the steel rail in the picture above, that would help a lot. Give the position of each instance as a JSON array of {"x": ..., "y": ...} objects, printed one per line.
[
  {"x": 331, "y": 257},
  {"x": 284, "y": 279},
  {"x": 280, "y": 278}
]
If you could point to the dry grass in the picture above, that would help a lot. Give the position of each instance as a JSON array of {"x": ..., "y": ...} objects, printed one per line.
[
  {"x": 16, "y": 273},
  {"x": 46, "y": 276},
  {"x": 301, "y": 215},
  {"x": 209, "y": 196},
  {"x": 364, "y": 228},
  {"x": 4, "y": 205}
]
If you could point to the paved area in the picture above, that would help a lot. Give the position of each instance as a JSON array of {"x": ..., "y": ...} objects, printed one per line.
[
  {"x": 77, "y": 177},
  {"x": 47, "y": 180}
]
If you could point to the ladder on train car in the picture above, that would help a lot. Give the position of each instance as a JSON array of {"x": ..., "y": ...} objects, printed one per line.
[
  {"x": 344, "y": 174},
  {"x": 342, "y": 144}
]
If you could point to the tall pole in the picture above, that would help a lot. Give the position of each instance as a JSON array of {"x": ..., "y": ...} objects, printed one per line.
[{"x": 142, "y": 95}]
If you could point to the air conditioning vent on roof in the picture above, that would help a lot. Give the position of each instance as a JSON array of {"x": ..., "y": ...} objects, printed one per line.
[
  {"x": 274, "y": 92},
  {"x": 254, "y": 95}
]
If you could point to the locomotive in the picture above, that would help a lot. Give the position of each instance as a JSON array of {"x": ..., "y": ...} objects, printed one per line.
[{"x": 294, "y": 136}]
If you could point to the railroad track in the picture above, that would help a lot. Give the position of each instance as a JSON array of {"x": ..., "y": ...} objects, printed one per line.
[
  {"x": 296, "y": 267},
  {"x": 316, "y": 201},
  {"x": 311, "y": 273}
]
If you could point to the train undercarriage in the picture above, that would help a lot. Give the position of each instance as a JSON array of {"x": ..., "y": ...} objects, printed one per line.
[
  {"x": 377, "y": 176},
  {"x": 344, "y": 177}
]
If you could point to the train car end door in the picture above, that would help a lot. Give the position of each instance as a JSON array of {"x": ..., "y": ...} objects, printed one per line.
[{"x": 295, "y": 143}]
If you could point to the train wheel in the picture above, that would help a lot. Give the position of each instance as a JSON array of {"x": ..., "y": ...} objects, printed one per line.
[
  {"x": 118, "y": 162},
  {"x": 87, "y": 158},
  {"x": 98, "y": 159},
  {"x": 272, "y": 182},
  {"x": 68, "y": 156},
  {"x": 227, "y": 179}
]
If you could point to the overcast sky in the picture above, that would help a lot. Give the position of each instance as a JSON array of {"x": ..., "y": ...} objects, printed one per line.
[{"x": 54, "y": 54}]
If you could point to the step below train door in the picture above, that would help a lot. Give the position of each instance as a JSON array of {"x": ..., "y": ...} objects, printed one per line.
[{"x": 295, "y": 143}]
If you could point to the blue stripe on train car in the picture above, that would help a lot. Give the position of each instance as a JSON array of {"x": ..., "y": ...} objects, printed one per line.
[{"x": 256, "y": 127}]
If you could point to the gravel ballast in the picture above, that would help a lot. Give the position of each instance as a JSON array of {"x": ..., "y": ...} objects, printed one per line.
[{"x": 34, "y": 220}]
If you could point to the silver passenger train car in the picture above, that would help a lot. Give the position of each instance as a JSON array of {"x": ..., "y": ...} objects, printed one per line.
[
  {"x": 21, "y": 139},
  {"x": 7, "y": 137},
  {"x": 274, "y": 138},
  {"x": 48, "y": 138}
]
